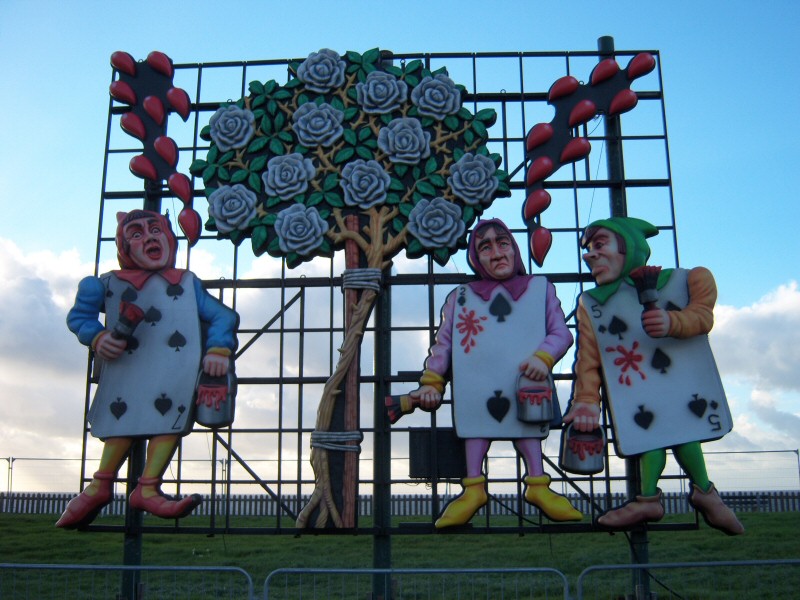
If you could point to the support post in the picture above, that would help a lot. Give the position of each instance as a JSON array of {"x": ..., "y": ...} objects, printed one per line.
[{"x": 619, "y": 208}]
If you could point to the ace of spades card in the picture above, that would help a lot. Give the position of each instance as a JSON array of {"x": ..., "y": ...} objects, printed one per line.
[{"x": 661, "y": 392}]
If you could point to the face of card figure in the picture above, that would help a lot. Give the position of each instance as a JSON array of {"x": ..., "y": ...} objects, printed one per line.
[
  {"x": 148, "y": 242},
  {"x": 496, "y": 253},
  {"x": 603, "y": 257}
]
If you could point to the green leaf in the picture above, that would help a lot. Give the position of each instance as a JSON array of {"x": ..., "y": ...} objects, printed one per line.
[
  {"x": 236, "y": 236},
  {"x": 392, "y": 199},
  {"x": 258, "y": 238},
  {"x": 256, "y": 87},
  {"x": 364, "y": 133},
  {"x": 353, "y": 69},
  {"x": 269, "y": 219},
  {"x": 468, "y": 214},
  {"x": 257, "y": 144},
  {"x": 343, "y": 155},
  {"x": 431, "y": 165},
  {"x": 469, "y": 137},
  {"x": 396, "y": 71},
  {"x": 441, "y": 255},
  {"x": 406, "y": 208},
  {"x": 239, "y": 176},
  {"x": 274, "y": 247},
  {"x": 285, "y": 136},
  {"x": 258, "y": 101},
  {"x": 503, "y": 189},
  {"x": 266, "y": 125},
  {"x": 413, "y": 66},
  {"x": 351, "y": 113},
  {"x": 350, "y": 137},
  {"x": 412, "y": 80},
  {"x": 315, "y": 198},
  {"x": 270, "y": 86},
  {"x": 334, "y": 199},
  {"x": 272, "y": 107},
  {"x": 254, "y": 181},
  {"x": 259, "y": 114},
  {"x": 487, "y": 115},
  {"x": 437, "y": 180},
  {"x": 464, "y": 114},
  {"x": 280, "y": 121},
  {"x": 226, "y": 157},
  {"x": 258, "y": 163},
  {"x": 336, "y": 103},
  {"x": 331, "y": 181},
  {"x": 302, "y": 99},
  {"x": 276, "y": 147},
  {"x": 197, "y": 166},
  {"x": 480, "y": 128},
  {"x": 426, "y": 188},
  {"x": 452, "y": 123},
  {"x": 397, "y": 185},
  {"x": 364, "y": 152},
  {"x": 496, "y": 159},
  {"x": 324, "y": 214},
  {"x": 458, "y": 153},
  {"x": 353, "y": 57},
  {"x": 223, "y": 174},
  {"x": 293, "y": 82},
  {"x": 400, "y": 169},
  {"x": 371, "y": 143},
  {"x": 205, "y": 133},
  {"x": 282, "y": 95},
  {"x": 352, "y": 93},
  {"x": 273, "y": 201},
  {"x": 501, "y": 175},
  {"x": 212, "y": 155},
  {"x": 370, "y": 56},
  {"x": 398, "y": 224},
  {"x": 386, "y": 119},
  {"x": 209, "y": 172},
  {"x": 440, "y": 71},
  {"x": 414, "y": 248},
  {"x": 416, "y": 173}
]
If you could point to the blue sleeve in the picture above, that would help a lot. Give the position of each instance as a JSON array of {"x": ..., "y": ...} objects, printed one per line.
[
  {"x": 83, "y": 317},
  {"x": 221, "y": 320}
]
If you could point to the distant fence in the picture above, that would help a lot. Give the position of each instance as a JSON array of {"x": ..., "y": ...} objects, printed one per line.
[{"x": 262, "y": 505}]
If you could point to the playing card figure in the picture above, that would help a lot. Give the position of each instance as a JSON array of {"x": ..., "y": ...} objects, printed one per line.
[
  {"x": 150, "y": 352},
  {"x": 643, "y": 332},
  {"x": 494, "y": 330}
]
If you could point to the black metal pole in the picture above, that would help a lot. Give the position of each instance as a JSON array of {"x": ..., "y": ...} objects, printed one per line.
[
  {"x": 382, "y": 541},
  {"x": 619, "y": 208}
]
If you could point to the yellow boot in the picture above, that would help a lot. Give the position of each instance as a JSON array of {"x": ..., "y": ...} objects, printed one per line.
[
  {"x": 460, "y": 509},
  {"x": 554, "y": 506}
]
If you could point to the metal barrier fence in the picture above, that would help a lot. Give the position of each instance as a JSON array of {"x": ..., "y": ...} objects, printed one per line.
[
  {"x": 415, "y": 584},
  {"x": 90, "y": 582},
  {"x": 762, "y": 579},
  {"x": 262, "y": 505}
]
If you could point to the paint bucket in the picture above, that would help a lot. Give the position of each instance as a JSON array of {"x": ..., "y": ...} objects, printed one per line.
[
  {"x": 215, "y": 400},
  {"x": 534, "y": 400},
  {"x": 582, "y": 451}
]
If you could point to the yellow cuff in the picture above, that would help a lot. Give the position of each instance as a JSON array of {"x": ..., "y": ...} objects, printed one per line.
[
  {"x": 220, "y": 351},
  {"x": 544, "y": 356},
  {"x": 432, "y": 379}
]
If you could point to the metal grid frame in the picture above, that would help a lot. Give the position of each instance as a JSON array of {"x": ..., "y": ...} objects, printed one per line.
[{"x": 297, "y": 325}]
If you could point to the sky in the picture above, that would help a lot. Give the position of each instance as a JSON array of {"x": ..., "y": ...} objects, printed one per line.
[{"x": 731, "y": 94}]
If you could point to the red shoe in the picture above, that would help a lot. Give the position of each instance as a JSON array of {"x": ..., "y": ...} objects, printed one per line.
[
  {"x": 83, "y": 508},
  {"x": 162, "y": 505}
]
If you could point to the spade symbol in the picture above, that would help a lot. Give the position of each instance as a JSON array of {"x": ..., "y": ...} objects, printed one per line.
[
  {"x": 163, "y": 404},
  {"x": 498, "y": 406},
  {"x": 698, "y": 406},
  {"x": 644, "y": 417},
  {"x": 714, "y": 404},
  {"x": 129, "y": 295},
  {"x": 133, "y": 344},
  {"x": 177, "y": 341},
  {"x": 118, "y": 408},
  {"x": 500, "y": 308},
  {"x": 660, "y": 361},
  {"x": 617, "y": 327},
  {"x": 109, "y": 294},
  {"x": 174, "y": 290},
  {"x": 152, "y": 316}
]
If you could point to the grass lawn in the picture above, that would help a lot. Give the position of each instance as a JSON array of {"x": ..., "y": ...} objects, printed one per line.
[{"x": 34, "y": 539}]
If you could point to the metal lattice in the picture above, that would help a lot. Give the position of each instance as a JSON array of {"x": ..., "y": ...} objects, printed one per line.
[{"x": 292, "y": 320}]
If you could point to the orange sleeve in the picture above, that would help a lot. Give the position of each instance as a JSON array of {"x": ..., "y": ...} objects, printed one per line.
[
  {"x": 697, "y": 318},
  {"x": 588, "y": 371}
]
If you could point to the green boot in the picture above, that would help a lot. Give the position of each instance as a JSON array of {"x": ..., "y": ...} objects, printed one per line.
[
  {"x": 460, "y": 509},
  {"x": 554, "y": 506}
]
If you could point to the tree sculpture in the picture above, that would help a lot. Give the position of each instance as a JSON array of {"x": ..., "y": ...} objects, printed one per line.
[{"x": 352, "y": 152}]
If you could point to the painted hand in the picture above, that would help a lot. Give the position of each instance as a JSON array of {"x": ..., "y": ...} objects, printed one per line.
[
  {"x": 656, "y": 322},
  {"x": 534, "y": 368},
  {"x": 428, "y": 397},
  {"x": 108, "y": 347},
  {"x": 583, "y": 416},
  {"x": 215, "y": 365}
]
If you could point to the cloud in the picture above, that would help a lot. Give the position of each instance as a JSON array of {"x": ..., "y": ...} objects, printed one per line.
[{"x": 761, "y": 342}]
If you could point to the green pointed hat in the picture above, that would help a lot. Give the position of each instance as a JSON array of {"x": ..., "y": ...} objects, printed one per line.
[{"x": 635, "y": 233}]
